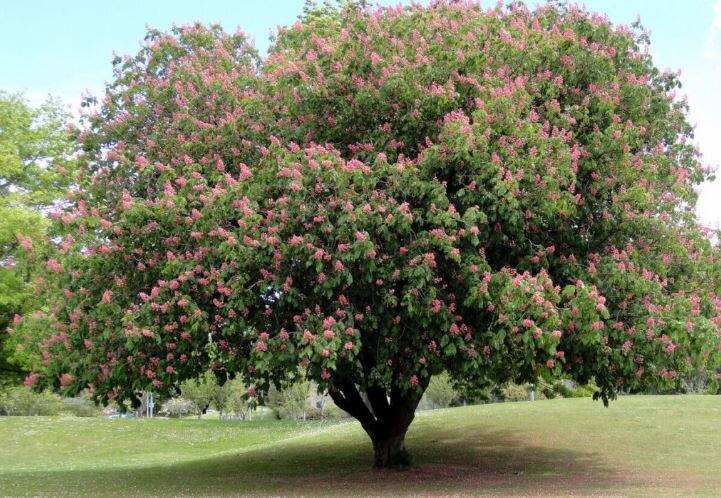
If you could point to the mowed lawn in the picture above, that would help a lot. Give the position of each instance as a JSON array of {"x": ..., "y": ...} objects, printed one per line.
[{"x": 639, "y": 446}]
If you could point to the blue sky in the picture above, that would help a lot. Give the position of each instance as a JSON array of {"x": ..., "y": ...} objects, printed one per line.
[{"x": 64, "y": 48}]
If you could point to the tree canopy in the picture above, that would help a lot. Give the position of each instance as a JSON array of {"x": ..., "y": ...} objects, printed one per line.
[
  {"x": 391, "y": 193},
  {"x": 35, "y": 171}
]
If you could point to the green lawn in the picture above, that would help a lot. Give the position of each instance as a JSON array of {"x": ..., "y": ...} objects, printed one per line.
[{"x": 639, "y": 446}]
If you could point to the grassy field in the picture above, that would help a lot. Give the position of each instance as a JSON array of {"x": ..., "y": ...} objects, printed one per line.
[{"x": 639, "y": 446}]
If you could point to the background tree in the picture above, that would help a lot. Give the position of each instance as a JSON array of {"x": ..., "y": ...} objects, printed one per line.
[
  {"x": 178, "y": 407},
  {"x": 502, "y": 194},
  {"x": 293, "y": 402},
  {"x": 440, "y": 392},
  {"x": 199, "y": 392},
  {"x": 35, "y": 170}
]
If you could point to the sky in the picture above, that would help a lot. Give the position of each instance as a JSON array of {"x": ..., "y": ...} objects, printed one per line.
[{"x": 64, "y": 48}]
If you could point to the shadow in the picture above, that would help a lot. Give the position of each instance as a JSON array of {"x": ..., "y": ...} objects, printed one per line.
[{"x": 483, "y": 462}]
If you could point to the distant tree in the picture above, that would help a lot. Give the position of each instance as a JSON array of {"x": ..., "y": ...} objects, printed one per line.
[
  {"x": 220, "y": 396},
  {"x": 22, "y": 401},
  {"x": 178, "y": 407},
  {"x": 36, "y": 168},
  {"x": 440, "y": 392},
  {"x": 199, "y": 392},
  {"x": 502, "y": 194},
  {"x": 291, "y": 402}
]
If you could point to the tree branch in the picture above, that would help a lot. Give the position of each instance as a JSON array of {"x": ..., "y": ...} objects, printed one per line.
[{"x": 348, "y": 399}]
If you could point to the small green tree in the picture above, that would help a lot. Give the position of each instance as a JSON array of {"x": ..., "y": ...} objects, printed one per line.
[
  {"x": 199, "y": 392},
  {"x": 440, "y": 392},
  {"x": 291, "y": 402},
  {"x": 220, "y": 396}
]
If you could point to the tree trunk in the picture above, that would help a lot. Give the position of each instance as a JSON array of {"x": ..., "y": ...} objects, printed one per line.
[
  {"x": 385, "y": 417},
  {"x": 390, "y": 451}
]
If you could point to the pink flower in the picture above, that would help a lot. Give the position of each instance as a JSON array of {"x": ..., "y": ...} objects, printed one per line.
[
  {"x": 31, "y": 379},
  {"x": 107, "y": 297},
  {"x": 348, "y": 345},
  {"x": 414, "y": 380},
  {"x": 55, "y": 266},
  {"x": 360, "y": 236},
  {"x": 550, "y": 363}
]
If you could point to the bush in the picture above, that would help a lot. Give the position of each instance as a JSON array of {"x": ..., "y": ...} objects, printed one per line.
[
  {"x": 22, "y": 400},
  {"x": 579, "y": 391},
  {"x": 514, "y": 392},
  {"x": 79, "y": 406},
  {"x": 331, "y": 411},
  {"x": 178, "y": 407}
]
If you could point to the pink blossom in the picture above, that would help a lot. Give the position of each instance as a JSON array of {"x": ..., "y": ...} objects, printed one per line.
[{"x": 107, "y": 297}]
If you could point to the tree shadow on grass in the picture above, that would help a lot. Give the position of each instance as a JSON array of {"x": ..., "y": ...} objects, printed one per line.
[{"x": 485, "y": 462}]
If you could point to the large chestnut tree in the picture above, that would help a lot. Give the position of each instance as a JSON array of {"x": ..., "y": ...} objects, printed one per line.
[{"x": 391, "y": 193}]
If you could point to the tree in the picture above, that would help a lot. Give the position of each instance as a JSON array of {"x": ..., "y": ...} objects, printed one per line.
[
  {"x": 241, "y": 403},
  {"x": 178, "y": 407},
  {"x": 199, "y": 392},
  {"x": 440, "y": 392},
  {"x": 293, "y": 402},
  {"x": 503, "y": 195},
  {"x": 35, "y": 169}
]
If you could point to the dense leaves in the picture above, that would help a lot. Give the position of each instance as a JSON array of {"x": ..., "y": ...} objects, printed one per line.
[
  {"x": 391, "y": 193},
  {"x": 35, "y": 170}
]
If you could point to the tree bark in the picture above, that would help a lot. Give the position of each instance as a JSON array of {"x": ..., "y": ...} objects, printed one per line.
[
  {"x": 386, "y": 421},
  {"x": 390, "y": 452}
]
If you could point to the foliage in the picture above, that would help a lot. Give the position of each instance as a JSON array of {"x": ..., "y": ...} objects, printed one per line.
[
  {"x": 199, "y": 392},
  {"x": 292, "y": 402},
  {"x": 178, "y": 407},
  {"x": 79, "y": 406},
  {"x": 515, "y": 392},
  {"x": 503, "y": 194},
  {"x": 578, "y": 391},
  {"x": 440, "y": 392},
  {"x": 35, "y": 170},
  {"x": 20, "y": 400}
]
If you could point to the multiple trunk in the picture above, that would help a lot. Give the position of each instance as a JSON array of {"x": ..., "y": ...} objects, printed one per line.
[{"x": 384, "y": 418}]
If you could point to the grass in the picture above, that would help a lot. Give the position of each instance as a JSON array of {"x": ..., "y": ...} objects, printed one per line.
[{"x": 640, "y": 446}]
